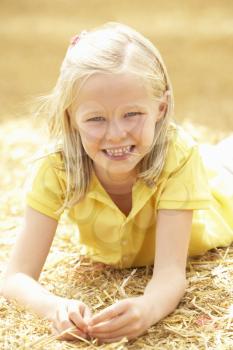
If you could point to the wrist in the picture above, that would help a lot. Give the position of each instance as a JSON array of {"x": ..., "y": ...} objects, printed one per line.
[
  {"x": 163, "y": 298},
  {"x": 53, "y": 301}
]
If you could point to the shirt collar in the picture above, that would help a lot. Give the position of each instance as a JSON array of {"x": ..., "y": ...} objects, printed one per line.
[{"x": 140, "y": 194}]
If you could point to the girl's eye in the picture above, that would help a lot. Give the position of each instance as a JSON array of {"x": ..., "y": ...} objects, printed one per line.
[
  {"x": 94, "y": 119},
  {"x": 98, "y": 118},
  {"x": 131, "y": 114}
]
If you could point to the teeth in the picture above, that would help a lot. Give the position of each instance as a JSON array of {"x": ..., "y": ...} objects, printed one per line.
[{"x": 119, "y": 151}]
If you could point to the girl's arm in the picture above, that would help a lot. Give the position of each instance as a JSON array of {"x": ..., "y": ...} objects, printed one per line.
[
  {"x": 20, "y": 283},
  {"x": 26, "y": 262},
  {"x": 168, "y": 282},
  {"x": 131, "y": 317}
]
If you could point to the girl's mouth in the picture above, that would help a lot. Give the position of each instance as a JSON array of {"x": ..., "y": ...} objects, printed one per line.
[{"x": 119, "y": 155}]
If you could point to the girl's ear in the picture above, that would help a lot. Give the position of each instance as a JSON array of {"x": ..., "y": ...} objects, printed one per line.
[
  {"x": 163, "y": 105},
  {"x": 69, "y": 116}
]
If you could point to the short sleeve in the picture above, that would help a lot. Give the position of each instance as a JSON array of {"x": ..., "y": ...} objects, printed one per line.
[
  {"x": 45, "y": 189},
  {"x": 185, "y": 182}
]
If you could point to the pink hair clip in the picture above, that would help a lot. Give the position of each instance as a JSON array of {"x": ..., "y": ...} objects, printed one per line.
[{"x": 75, "y": 39}]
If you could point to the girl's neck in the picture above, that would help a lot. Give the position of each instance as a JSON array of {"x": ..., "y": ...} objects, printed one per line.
[{"x": 116, "y": 183}]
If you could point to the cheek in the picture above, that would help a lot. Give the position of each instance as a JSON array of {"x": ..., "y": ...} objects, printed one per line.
[
  {"x": 149, "y": 130},
  {"x": 90, "y": 138},
  {"x": 145, "y": 132},
  {"x": 91, "y": 135}
]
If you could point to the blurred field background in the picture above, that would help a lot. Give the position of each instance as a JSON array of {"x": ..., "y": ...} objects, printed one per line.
[{"x": 195, "y": 39}]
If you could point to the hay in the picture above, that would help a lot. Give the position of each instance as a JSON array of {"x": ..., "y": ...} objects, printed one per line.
[{"x": 203, "y": 319}]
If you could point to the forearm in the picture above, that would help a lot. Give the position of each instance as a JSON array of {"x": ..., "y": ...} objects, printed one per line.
[
  {"x": 164, "y": 295},
  {"x": 28, "y": 292}
]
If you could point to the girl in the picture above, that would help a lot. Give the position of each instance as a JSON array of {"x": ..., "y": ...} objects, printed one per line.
[{"x": 131, "y": 179}]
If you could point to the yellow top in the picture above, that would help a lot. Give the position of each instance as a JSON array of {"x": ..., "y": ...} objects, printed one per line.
[{"x": 111, "y": 237}]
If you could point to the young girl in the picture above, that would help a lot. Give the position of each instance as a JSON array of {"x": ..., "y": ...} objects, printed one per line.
[{"x": 130, "y": 178}]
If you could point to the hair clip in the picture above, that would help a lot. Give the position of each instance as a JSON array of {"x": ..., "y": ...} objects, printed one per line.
[{"x": 75, "y": 39}]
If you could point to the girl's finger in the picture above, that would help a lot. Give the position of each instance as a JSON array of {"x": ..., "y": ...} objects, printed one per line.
[
  {"x": 62, "y": 335},
  {"x": 65, "y": 325},
  {"x": 108, "y": 313},
  {"x": 120, "y": 332},
  {"x": 87, "y": 315},
  {"x": 63, "y": 321},
  {"x": 112, "y": 325},
  {"x": 54, "y": 330},
  {"x": 75, "y": 311}
]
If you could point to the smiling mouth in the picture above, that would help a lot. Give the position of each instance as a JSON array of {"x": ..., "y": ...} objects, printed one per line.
[{"x": 119, "y": 153}]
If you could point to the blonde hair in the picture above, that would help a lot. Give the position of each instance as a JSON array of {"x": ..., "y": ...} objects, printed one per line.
[{"x": 110, "y": 48}]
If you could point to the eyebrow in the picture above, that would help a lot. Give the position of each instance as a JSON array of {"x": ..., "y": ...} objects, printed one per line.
[{"x": 135, "y": 105}]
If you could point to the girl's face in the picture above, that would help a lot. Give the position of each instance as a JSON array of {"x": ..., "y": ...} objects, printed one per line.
[{"x": 115, "y": 117}]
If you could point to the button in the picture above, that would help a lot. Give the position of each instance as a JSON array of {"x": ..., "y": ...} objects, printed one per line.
[{"x": 124, "y": 242}]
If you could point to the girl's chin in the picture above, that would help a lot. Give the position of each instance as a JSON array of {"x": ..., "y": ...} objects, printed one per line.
[{"x": 116, "y": 167}]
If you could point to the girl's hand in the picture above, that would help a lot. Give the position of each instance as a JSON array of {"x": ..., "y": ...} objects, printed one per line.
[
  {"x": 126, "y": 318},
  {"x": 71, "y": 316}
]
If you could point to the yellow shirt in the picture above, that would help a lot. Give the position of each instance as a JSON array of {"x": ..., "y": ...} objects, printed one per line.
[{"x": 112, "y": 238}]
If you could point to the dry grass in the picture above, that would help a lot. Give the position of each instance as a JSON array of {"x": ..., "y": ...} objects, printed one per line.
[{"x": 203, "y": 319}]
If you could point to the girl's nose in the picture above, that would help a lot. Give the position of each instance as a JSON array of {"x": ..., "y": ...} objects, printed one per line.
[{"x": 115, "y": 131}]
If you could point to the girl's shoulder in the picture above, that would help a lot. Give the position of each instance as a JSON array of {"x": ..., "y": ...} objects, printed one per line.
[
  {"x": 181, "y": 147},
  {"x": 48, "y": 159},
  {"x": 50, "y": 154},
  {"x": 179, "y": 137}
]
